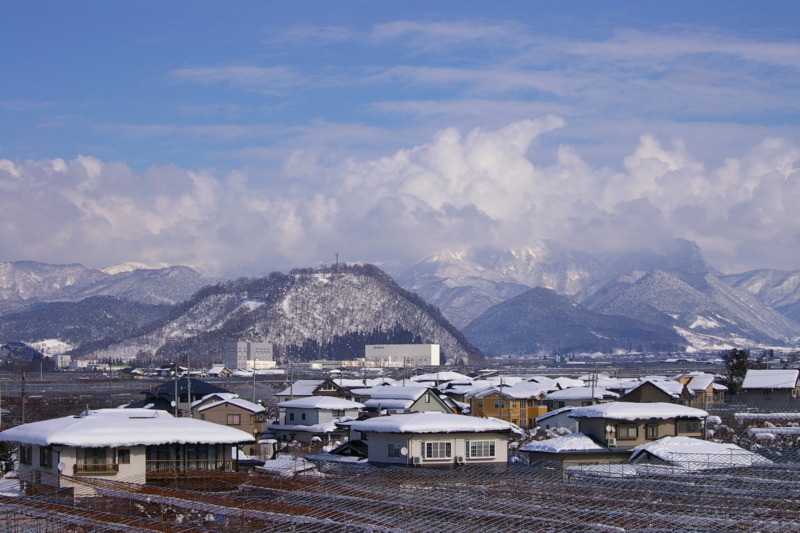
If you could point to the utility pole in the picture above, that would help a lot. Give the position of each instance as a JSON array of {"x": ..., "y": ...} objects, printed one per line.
[
  {"x": 22, "y": 394},
  {"x": 175, "y": 371},
  {"x": 189, "y": 384}
]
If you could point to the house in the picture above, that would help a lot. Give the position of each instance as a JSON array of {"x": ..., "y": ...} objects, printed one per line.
[
  {"x": 578, "y": 397},
  {"x": 659, "y": 390},
  {"x": 780, "y": 385},
  {"x": 219, "y": 371},
  {"x": 558, "y": 419},
  {"x": 408, "y": 400},
  {"x": 436, "y": 439},
  {"x": 187, "y": 390},
  {"x": 134, "y": 445},
  {"x": 518, "y": 404},
  {"x": 314, "y": 416},
  {"x": 628, "y": 424},
  {"x": 571, "y": 448},
  {"x": 707, "y": 393},
  {"x": 234, "y": 412}
]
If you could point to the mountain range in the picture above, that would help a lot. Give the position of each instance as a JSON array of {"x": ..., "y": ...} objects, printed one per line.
[
  {"x": 127, "y": 310},
  {"x": 328, "y": 313}
]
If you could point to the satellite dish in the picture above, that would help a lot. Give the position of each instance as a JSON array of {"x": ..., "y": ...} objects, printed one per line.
[
  {"x": 609, "y": 429},
  {"x": 61, "y": 467},
  {"x": 404, "y": 451},
  {"x": 172, "y": 403}
]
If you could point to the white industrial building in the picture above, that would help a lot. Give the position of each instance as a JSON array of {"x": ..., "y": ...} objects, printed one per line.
[
  {"x": 248, "y": 355},
  {"x": 399, "y": 355}
]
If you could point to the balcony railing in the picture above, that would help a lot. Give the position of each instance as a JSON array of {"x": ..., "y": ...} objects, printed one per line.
[
  {"x": 96, "y": 468},
  {"x": 170, "y": 465}
]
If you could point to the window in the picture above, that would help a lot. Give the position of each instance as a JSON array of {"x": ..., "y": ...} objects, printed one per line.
[
  {"x": 523, "y": 404},
  {"x": 627, "y": 432},
  {"x": 767, "y": 394},
  {"x": 124, "y": 457},
  {"x": 480, "y": 404},
  {"x": 25, "y": 455},
  {"x": 652, "y": 431},
  {"x": 689, "y": 426},
  {"x": 45, "y": 457},
  {"x": 338, "y": 412},
  {"x": 302, "y": 416},
  {"x": 480, "y": 449},
  {"x": 395, "y": 451},
  {"x": 499, "y": 404},
  {"x": 438, "y": 450},
  {"x": 428, "y": 397},
  {"x": 291, "y": 416},
  {"x": 234, "y": 420},
  {"x": 513, "y": 404}
]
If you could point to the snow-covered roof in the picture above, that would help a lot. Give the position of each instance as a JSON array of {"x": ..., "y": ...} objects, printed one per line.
[
  {"x": 123, "y": 427},
  {"x": 388, "y": 403},
  {"x": 321, "y": 402},
  {"x": 220, "y": 395},
  {"x": 238, "y": 402},
  {"x": 637, "y": 411},
  {"x": 517, "y": 392},
  {"x": 574, "y": 442},
  {"x": 700, "y": 382},
  {"x": 443, "y": 377},
  {"x": 301, "y": 387},
  {"x": 669, "y": 386},
  {"x": 325, "y": 427},
  {"x": 696, "y": 454},
  {"x": 557, "y": 412},
  {"x": 770, "y": 379},
  {"x": 582, "y": 393},
  {"x": 433, "y": 423},
  {"x": 398, "y": 393}
]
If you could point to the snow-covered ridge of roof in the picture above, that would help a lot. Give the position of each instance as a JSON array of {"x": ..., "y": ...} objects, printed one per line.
[
  {"x": 321, "y": 402},
  {"x": 238, "y": 402},
  {"x": 433, "y": 423},
  {"x": 519, "y": 392},
  {"x": 766, "y": 416},
  {"x": 673, "y": 388},
  {"x": 388, "y": 403},
  {"x": 398, "y": 393},
  {"x": 574, "y": 442},
  {"x": 582, "y": 393},
  {"x": 445, "y": 376},
  {"x": 557, "y": 412},
  {"x": 325, "y": 427},
  {"x": 637, "y": 411},
  {"x": 123, "y": 427},
  {"x": 770, "y": 379},
  {"x": 301, "y": 387},
  {"x": 700, "y": 382}
]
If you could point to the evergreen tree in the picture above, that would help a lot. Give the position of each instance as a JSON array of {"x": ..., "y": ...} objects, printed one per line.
[{"x": 736, "y": 365}]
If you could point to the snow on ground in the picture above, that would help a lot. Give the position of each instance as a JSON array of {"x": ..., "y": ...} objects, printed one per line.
[
  {"x": 741, "y": 417},
  {"x": 9, "y": 487},
  {"x": 252, "y": 305},
  {"x": 705, "y": 323},
  {"x": 286, "y": 465},
  {"x": 50, "y": 346}
]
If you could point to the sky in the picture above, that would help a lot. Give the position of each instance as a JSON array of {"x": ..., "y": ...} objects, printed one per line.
[{"x": 245, "y": 137}]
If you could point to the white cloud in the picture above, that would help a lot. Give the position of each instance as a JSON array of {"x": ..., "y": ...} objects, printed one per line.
[{"x": 460, "y": 189}]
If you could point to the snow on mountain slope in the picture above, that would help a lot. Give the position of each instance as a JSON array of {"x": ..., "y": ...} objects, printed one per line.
[
  {"x": 307, "y": 314},
  {"x": 698, "y": 302},
  {"x": 776, "y": 288}
]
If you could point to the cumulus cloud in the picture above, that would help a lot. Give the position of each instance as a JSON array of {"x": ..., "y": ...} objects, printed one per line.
[{"x": 460, "y": 189}]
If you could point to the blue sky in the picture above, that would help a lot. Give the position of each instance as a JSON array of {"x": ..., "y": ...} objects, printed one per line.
[{"x": 250, "y": 136}]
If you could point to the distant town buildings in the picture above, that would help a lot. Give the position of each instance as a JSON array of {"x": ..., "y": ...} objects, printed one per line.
[{"x": 400, "y": 355}]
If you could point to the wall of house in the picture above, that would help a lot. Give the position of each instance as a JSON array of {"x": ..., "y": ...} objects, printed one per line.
[
  {"x": 378, "y": 444},
  {"x": 522, "y": 412},
  {"x": 251, "y": 422},
  {"x": 647, "y": 393},
  {"x": 314, "y": 416},
  {"x": 596, "y": 427},
  {"x": 428, "y": 403}
]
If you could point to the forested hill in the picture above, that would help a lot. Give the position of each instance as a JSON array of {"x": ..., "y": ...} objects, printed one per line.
[{"x": 329, "y": 313}]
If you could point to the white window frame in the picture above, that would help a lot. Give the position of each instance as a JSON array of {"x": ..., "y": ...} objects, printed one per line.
[
  {"x": 448, "y": 445},
  {"x": 482, "y": 449}
]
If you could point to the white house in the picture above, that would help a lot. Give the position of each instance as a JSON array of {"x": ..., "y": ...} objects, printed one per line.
[
  {"x": 435, "y": 439},
  {"x": 133, "y": 445},
  {"x": 408, "y": 400},
  {"x": 314, "y": 416}
]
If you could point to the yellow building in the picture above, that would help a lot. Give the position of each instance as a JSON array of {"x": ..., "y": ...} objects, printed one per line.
[{"x": 518, "y": 405}]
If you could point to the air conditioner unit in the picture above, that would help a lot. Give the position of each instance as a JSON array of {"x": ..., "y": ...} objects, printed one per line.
[
  {"x": 611, "y": 443},
  {"x": 417, "y": 460},
  {"x": 460, "y": 460}
]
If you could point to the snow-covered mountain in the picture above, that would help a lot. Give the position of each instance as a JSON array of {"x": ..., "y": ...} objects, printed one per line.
[
  {"x": 26, "y": 283},
  {"x": 776, "y": 288},
  {"x": 700, "y": 303},
  {"x": 307, "y": 314},
  {"x": 464, "y": 284},
  {"x": 541, "y": 320}
]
